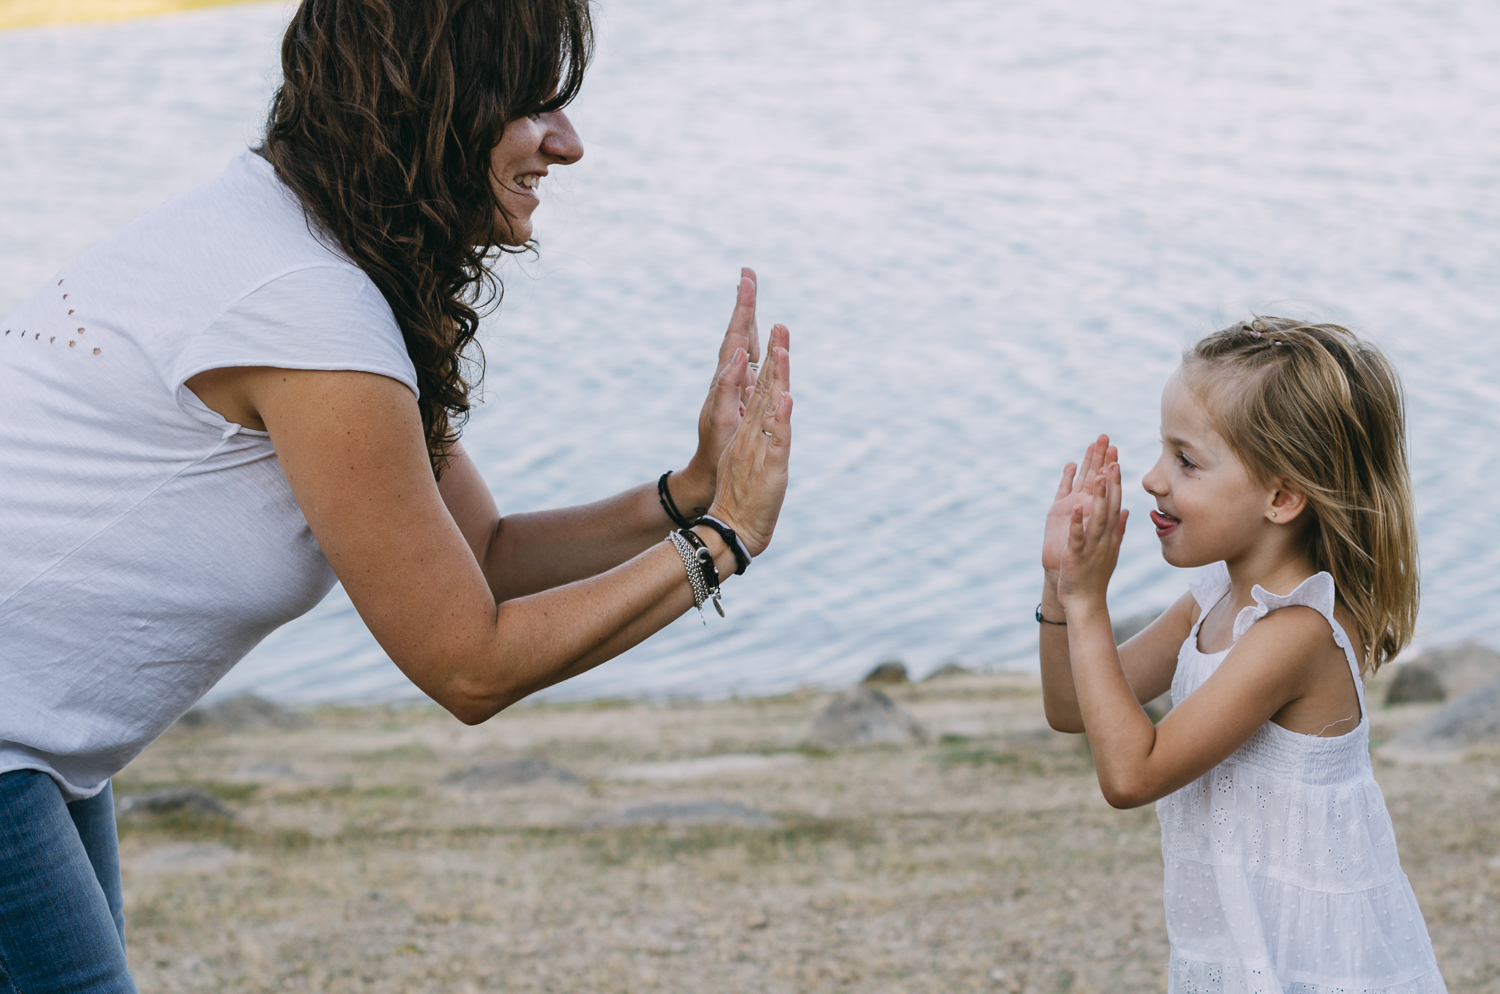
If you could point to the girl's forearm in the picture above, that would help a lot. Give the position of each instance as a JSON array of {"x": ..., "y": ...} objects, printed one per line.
[
  {"x": 1121, "y": 735},
  {"x": 1059, "y": 698}
]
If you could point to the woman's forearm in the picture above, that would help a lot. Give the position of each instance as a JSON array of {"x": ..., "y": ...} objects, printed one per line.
[
  {"x": 533, "y": 551},
  {"x": 542, "y": 639},
  {"x": 538, "y": 550}
]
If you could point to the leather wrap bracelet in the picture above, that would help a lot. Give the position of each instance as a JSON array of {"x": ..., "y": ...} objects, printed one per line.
[
  {"x": 736, "y": 545},
  {"x": 664, "y": 494}
]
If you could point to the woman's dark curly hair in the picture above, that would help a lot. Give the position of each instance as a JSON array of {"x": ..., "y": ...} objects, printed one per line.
[{"x": 383, "y": 127}]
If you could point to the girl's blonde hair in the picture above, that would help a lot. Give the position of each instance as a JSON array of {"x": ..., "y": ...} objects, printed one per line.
[{"x": 1315, "y": 407}]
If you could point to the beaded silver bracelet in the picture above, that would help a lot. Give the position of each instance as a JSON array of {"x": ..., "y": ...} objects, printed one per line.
[{"x": 694, "y": 574}]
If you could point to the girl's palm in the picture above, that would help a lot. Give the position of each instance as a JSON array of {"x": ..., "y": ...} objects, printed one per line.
[{"x": 1074, "y": 490}]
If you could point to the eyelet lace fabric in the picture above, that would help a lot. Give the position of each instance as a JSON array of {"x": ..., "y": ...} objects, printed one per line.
[{"x": 1281, "y": 866}]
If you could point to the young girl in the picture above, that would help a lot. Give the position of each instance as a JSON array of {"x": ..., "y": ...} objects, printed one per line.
[{"x": 1283, "y": 472}]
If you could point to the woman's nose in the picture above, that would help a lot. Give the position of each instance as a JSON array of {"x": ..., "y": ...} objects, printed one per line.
[{"x": 561, "y": 142}]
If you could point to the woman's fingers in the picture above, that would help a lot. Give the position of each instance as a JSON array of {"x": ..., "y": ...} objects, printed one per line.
[
  {"x": 753, "y": 474},
  {"x": 742, "y": 332}
]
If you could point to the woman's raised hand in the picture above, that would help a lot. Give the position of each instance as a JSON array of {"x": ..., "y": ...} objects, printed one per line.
[
  {"x": 724, "y": 407},
  {"x": 752, "y": 472},
  {"x": 1074, "y": 490}
]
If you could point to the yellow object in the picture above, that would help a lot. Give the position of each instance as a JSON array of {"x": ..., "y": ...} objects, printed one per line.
[{"x": 24, "y": 13}]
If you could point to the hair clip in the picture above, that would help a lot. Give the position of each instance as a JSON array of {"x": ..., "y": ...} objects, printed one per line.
[{"x": 1253, "y": 332}]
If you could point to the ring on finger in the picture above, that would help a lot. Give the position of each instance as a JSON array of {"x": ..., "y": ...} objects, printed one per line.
[
  {"x": 768, "y": 434},
  {"x": 755, "y": 367}
]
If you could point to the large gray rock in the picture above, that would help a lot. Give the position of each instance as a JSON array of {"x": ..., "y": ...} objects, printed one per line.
[
  {"x": 240, "y": 712},
  {"x": 890, "y": 671},
  {"x": 512, "y": 773},
  {"x": 1470, "y": 721},
  {"x": 863, "y": 716},
  {"x": 685, "y": 813},
  {"x": 1444, "y": 674}
]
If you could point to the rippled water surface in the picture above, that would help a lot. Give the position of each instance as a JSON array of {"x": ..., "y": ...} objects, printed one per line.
[{"x": 991, "y": 229}]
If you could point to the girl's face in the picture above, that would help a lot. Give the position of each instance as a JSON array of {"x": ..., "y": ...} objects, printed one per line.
[
  {"x": 1208, "y": 506},
  {"x": 527, "y": 147}
]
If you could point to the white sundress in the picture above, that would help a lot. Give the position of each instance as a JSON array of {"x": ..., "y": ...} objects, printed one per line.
[{"x": 1281, "y": 866}]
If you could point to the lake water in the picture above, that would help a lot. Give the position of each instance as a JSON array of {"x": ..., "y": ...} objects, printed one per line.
[{"x": 991, "y": 229}]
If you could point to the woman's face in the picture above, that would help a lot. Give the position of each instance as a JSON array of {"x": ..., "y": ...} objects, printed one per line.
[{"x": 517, "y": 165}]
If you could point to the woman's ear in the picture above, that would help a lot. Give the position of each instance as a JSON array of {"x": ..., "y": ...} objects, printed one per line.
[{"x": 1285, "y": 503}]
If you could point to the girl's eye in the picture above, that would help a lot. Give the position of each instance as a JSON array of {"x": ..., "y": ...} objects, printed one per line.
[{"x": 1185, "y": 462}]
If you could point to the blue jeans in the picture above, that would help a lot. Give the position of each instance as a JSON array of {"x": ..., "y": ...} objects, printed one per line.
[{"x": 62, "y": 919}]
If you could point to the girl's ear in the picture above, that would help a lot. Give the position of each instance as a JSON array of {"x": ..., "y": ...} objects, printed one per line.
[{"x": 1285, "y": 503}]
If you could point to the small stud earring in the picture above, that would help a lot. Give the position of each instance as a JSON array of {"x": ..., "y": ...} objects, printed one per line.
[{"x": 1273, "y": 514}]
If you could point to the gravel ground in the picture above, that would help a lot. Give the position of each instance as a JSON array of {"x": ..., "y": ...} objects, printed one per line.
[{"x": 981, "y": 860}]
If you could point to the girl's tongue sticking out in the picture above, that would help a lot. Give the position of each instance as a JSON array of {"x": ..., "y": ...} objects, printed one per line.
[{"x": 1164, "y": 523}]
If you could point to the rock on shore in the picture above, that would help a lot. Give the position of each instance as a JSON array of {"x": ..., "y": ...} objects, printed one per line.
[
  {"x": 863, "y": 716},
  {"x": 1469, "y": 722},
  {"x": 1443, "y": 674}
]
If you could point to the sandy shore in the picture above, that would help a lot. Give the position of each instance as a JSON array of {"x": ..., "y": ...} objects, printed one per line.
[
  {"x": 25, "y": 13},
  {"x": 984, "y": 860}
]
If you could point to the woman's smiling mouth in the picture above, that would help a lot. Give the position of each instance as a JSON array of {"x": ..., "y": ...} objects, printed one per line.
[{"x": 1165, "y": 523}]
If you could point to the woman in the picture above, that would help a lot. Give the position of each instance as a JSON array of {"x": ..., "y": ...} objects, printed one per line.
[{"x": 256, "y": 388}]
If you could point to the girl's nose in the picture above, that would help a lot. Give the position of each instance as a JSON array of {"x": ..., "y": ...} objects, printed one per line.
[{"x": 1152, "y": 481}]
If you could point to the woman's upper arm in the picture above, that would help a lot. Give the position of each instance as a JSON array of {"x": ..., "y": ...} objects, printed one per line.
[
  {"x": 1149, "y": 658},
  {"x": 354, "y": 452}
]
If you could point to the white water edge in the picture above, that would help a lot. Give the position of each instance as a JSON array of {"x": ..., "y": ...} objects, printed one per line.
[{"x": 991, "y": 230}]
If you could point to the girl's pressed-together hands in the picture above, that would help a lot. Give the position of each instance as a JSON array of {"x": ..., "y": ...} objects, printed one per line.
[
  {"x": 1095, "y": 526},
  {"x": 1073, "y": 491}
]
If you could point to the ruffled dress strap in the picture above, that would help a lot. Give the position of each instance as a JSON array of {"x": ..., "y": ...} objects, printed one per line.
[
  {"x": 1316, "y": 592},
  {"x": 1209, "y": 588}
]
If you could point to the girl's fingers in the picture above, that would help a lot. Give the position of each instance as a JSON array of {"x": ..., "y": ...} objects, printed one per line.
[
  {"x": 1086, "y": 471},
  {"x": 1114, "y": 491},
  {"x": 1098, "y": 522},
  {"x": 1096, "y": 455},
  {"x": 1065, "y": 486}
]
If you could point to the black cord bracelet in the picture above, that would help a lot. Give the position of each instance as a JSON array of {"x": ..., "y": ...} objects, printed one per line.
[
  {"x": 1060, "y": 624},
  {"x": 741, "y": 554},
  {"x": 664, "y": 494}
]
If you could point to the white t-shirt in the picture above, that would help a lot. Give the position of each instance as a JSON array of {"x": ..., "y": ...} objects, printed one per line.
[{"x": 146, "y": 544}]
